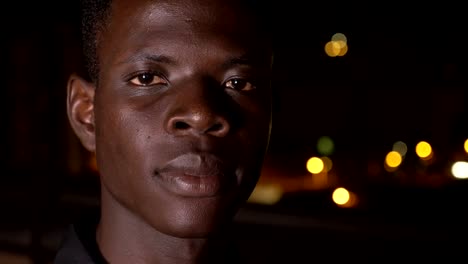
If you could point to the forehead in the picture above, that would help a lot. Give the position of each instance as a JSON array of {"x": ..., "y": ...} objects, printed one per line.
[
  {"x": 210, "y": 15},
  {"x": 180, "y": 28}
]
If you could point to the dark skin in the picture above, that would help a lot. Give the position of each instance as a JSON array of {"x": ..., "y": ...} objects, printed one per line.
[{"x": 179, "y": 120}]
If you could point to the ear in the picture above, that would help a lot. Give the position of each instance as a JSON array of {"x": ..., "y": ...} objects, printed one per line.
[{"x": 80, "y": 110}]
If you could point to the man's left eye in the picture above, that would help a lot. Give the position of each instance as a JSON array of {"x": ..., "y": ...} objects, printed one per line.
[
  {"x": 239, "y": 84},
  {"x": 147, "y": 79}
]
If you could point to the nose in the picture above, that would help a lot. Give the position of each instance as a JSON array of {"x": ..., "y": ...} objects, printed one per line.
[
  {"x": 199, "y": 113},
  {"x": 198, "y": 122}
]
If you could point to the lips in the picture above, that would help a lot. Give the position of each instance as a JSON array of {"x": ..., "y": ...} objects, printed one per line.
[{"x": 194, "y": 175}]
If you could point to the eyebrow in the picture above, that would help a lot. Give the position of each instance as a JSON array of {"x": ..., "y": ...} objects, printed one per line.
[
  {"x": 243, "y": 60},
  {"x": 148, "y": 57},
  {"x": 237, "y": 61}
]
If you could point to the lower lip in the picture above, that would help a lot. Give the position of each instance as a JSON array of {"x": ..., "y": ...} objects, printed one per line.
[{"x": 191, "y": 186}]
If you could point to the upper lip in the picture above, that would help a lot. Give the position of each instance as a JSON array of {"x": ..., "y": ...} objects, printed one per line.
[{"x": 195, "y": 164}]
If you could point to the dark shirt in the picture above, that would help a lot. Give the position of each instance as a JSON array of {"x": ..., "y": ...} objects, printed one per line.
[{"x": 79, "y": 245}]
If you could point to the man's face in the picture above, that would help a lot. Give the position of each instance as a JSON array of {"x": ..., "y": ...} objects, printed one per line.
[{"x": 182, "y": 112}]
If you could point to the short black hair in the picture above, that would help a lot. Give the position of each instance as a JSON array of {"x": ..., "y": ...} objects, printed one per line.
[{"x": 95, "y": 14}]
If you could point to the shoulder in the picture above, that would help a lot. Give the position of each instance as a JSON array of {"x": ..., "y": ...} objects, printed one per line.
[
  {"x": 79, "y": 244},
  {"x": 72, "y": 250}
]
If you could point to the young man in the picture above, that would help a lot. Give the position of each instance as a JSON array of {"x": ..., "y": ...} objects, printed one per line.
[{"x": 178, "y": 112}]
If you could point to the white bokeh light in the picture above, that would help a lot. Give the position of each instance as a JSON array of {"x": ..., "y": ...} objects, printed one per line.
[{"x": 460, "y": 170}]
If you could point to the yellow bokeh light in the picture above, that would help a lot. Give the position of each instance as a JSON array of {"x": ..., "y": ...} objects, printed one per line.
[
  {"x": 336, "y": 48},
  {"x": 339, "y": 44},
  {"x": 393, "y": 159},
  {"x": 466, "y": 146},
  {"x": 423, "y": 150},
  {"x": 315, "y": 165},
  {"x": 340, "y": 196},
  {"x": 343, "y": 50},
  {"x": 332, "y": 49}
]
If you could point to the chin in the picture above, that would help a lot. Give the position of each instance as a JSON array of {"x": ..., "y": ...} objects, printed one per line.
[
  {"x": 195, "y": 229},
  {"x": 201, "y": 221}
]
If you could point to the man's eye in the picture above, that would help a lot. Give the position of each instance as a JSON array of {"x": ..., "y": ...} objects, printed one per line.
[
  {"x": 239, "y": 85},
  {"x": 147, "y": 79}
]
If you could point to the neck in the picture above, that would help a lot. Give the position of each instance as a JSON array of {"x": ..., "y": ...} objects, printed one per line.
[{"x": 124, "y": 237}]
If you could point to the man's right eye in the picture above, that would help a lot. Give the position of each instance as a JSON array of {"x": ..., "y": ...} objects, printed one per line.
[{"x": 147, "y": 79}]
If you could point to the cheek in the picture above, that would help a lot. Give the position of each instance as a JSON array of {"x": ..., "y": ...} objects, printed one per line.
[{"x": 122, "y": 151}]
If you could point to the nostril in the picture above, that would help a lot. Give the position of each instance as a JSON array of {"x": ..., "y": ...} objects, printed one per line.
[{"x": 181, "y": 125}]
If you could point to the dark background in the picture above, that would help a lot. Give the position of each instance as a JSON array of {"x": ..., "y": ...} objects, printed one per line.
[{"x": 404, "y": 78}]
